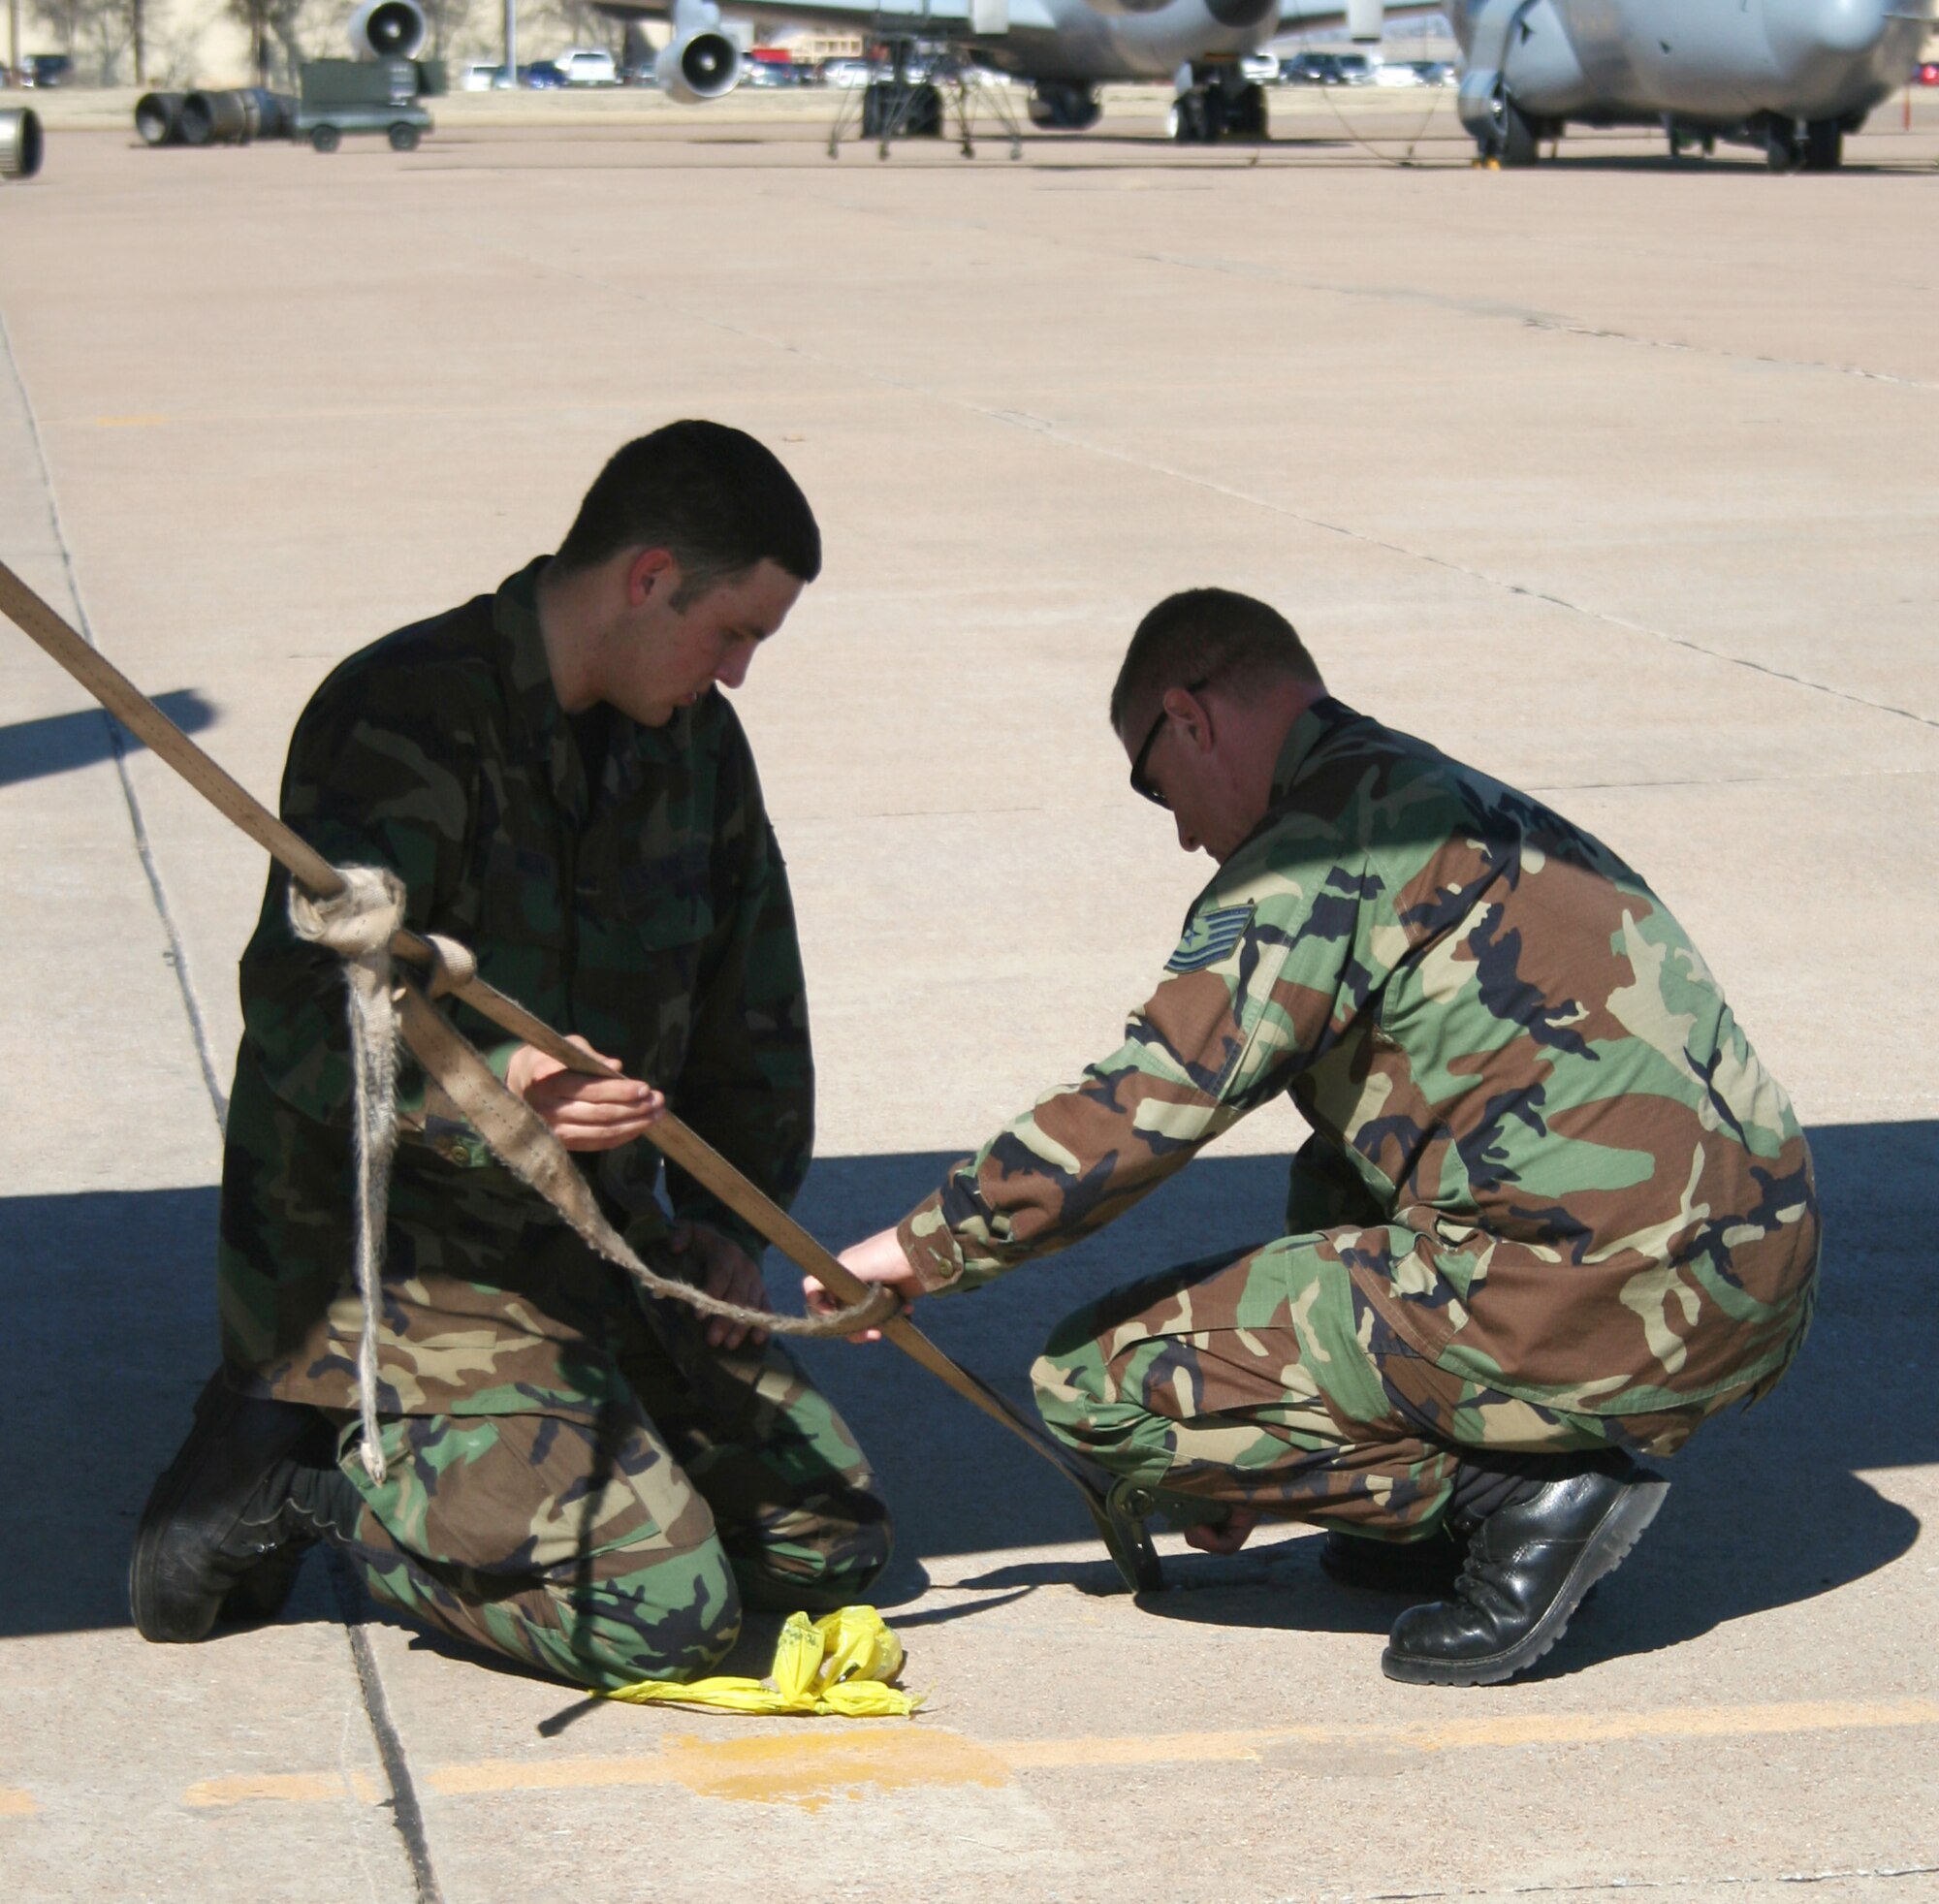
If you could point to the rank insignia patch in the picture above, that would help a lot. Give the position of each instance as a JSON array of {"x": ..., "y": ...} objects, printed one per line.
[{"x": 1210, "y": 938}]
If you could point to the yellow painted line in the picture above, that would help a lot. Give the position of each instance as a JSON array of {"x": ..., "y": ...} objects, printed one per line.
[
  {"x": 16, "y": 1804},
  {"x": 1507, "y": 1729},
  {"x": 284, "y": 1788},
  {"x": 798, "y": 1768},
  {"x": 809, "y": 1767}
]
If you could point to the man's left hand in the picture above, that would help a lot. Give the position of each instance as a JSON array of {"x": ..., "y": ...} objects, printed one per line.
[
  {"x": 876, "y": 1258},
  {"x": 714, "y": 1262}
]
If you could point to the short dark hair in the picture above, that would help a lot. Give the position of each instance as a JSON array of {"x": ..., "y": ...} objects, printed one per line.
[
  {"x": 1207, "y": 635},
  {"x": 711, "y": 495}
]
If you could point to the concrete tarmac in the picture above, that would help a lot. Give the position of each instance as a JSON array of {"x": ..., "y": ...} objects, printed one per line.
[{"x": 1617, "y": 478}]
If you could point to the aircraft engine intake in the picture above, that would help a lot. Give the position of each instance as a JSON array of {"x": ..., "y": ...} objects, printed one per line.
[
  {"x": 705, "y": 65},
  {"x": 387, "y": 29}
]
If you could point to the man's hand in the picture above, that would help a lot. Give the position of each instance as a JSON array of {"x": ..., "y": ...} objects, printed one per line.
[
  {"x": 583, "y": 1113},
  {"x": 717, "y": 1264},
  {"x": 1227, "y": 1539},
  {"x": 879, "y": 1258}
]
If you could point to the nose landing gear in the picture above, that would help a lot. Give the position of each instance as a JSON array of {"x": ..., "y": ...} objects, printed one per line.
[
  {"x": 1819, "y": 146},
  {"x": 1216, "y": 101}
]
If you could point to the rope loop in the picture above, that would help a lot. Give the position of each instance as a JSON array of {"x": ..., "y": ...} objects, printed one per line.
[
  {"x": 355, "y": 922},
  {"x": 454, "y": 967}
]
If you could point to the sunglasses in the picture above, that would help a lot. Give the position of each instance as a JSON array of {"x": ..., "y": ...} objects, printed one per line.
[{"x": 1141, "y": 786}]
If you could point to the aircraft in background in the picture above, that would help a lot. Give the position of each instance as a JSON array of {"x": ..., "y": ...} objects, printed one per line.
[
  {"x": 1062, "y": 49},
  {"x": 1790, "y": 76}
]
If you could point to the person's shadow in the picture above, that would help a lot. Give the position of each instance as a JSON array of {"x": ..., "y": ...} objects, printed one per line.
[
  {"x": 109, "y": 1304},
  {"x": 1769, "y": 1506}
]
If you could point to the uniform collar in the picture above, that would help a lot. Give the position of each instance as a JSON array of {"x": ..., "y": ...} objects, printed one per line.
[{"x": 1326, "y": 716}]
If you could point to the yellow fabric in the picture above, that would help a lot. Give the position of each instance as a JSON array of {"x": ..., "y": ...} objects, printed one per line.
[{"x": 841, "y": 1662}]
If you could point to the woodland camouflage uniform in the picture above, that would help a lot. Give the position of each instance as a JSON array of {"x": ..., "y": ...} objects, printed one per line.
[
  {"x": 1552, "y": 1200},
  {"x": 576, "y": 1478}
]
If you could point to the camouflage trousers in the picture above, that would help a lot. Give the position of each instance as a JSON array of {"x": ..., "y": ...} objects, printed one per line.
[
  {"x": 1270, "y": 1383},
  {"x": 624, "y": 1547}
]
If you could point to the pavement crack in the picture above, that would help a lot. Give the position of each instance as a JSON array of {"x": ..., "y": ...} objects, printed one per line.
[
  {"x": 1562, "y": 326},
  {"x": 406, "y": 1814},
  {"x": 1492, "y": 309},
  {"x": 1581, "y": 1886},
  {"x": 118, "y": 739}
]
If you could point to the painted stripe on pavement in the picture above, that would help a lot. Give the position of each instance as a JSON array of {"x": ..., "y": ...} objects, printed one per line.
[{"x": 810, "y": 1768}]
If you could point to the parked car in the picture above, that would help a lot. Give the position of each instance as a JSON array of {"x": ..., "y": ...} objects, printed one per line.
[
  {"x": 846, "y": 73},
  {"x": 1261, "y": 68},
  {"x": 766, "y": 73},
  {"x": 587, "y": 66},
  {"x": 1327, "y": 70},
  {"x": 1402, "y": 73},
  {"x": 1925, "y": 73},
  {"x": 1436, "y": 71},
  {"x": 542, "y": 75},
  {"x": 46, "y": 70},
  {"x": 479, "y": 75}
]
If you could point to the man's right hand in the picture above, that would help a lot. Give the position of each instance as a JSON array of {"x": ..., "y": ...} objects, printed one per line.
[{"x": 583, "y": 1113}]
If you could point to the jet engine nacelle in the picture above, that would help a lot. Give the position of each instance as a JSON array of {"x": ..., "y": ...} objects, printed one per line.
[
  {"x": 387, "y": 29},
  {"x": 704, "y": 65}
]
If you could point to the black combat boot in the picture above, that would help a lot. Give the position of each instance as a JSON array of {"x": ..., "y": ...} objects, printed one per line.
[
  {"x": 1530, "y": 1561},
  {"x": 226, "y": 1526}
]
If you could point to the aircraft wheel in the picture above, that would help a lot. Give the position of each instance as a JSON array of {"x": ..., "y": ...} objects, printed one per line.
[
  {"x": 1188, "y": 122},
  {"x": 1780, "y": 146},
  {"x": 1824, "y": 145},
  {"x": 403, "y": 138},
  {"x": 1249, "y": 113},
  {"x": 1060, "y": 105},
  {"x": 325, "y": 139},
  {"x": 1519, "y": 146}
]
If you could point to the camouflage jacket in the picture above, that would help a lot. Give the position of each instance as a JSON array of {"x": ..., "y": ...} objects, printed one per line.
[
  {"x": 1542, "y": 1144},
  {"x": 650, "y": 914}
]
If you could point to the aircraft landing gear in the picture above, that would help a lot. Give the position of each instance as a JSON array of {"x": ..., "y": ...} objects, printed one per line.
[
  {"x": 901, "y": 110},
  {"x": 1505, "y": 134},
  {"x": 1816, "y": 146},
  {"x": 1061, "y": 105},
  {"x": 1824, "y": 145},
  {"x": 1216, "y": 102},
  {"x": 1780, "y": 146}
]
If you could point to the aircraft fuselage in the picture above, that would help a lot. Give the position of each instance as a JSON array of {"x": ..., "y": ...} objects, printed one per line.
[{"x": 1699, "y": 63}]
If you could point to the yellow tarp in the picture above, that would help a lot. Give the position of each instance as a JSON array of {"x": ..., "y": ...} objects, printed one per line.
[{"x": 841, "y": 1662}]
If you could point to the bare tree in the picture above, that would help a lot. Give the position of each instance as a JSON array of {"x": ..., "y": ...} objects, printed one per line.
[
  {"x": 448, "y": 23},
  {"x": 97, "y": 35},
  {"x": 582, "y": 24},
  {"x": 297, "y": 28}
]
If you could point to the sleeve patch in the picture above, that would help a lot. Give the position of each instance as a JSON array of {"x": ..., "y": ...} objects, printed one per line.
[{"x": 1211, "y": 939}]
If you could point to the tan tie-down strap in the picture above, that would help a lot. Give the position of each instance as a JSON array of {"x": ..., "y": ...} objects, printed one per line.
[{"x": 499, "y": 1116}]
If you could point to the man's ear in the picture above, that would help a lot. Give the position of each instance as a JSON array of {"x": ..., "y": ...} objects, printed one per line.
[
  {"x": 651, "y": 572},
  {"x": 1193, "y": 714}
]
